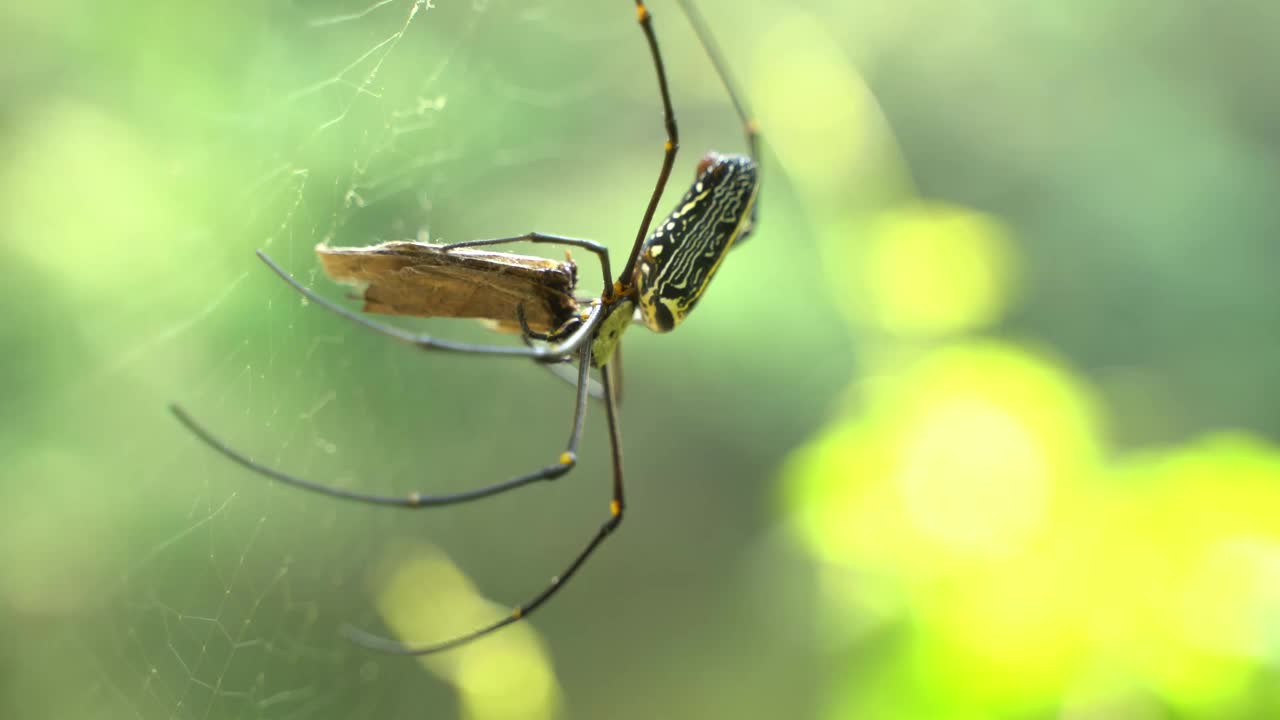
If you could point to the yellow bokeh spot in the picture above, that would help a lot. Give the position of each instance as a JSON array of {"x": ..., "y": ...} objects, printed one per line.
[
  {"x": 1192, "y": 571},
  {"x": 943, "y": 501},
  {"x": 967, "y": 509},
  {"x": 507, "y": 675},
  {"x": 87, "y": 197},
  {"x": 840, "y": 506},
  {"x": 964, "y": 455},
  {"x": 1232, "y": 598},
  {"x": 934, "y": 270},
  {"x": 974, "y": 478}
]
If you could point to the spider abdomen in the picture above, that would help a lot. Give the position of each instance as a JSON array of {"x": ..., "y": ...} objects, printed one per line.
[{"x": 684, "y": 251}]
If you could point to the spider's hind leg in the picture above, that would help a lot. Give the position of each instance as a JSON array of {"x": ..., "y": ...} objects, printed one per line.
[{"x": 617, "y": 505}]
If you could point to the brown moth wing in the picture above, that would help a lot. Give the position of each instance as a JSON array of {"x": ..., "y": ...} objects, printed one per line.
[{"x": 422, "y": 280}]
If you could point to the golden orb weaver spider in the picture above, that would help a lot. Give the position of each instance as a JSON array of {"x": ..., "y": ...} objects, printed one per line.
[{"x": 664, "y": 276}]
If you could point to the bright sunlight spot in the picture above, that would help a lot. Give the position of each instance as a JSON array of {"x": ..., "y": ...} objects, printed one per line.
[
  {"x": 75, "y": 153},
  {"x": 506, "y": 676},
  {"x": 934, "y": 270},
  {"x": 973, "y": 478},
  {"x": 966, "y": 506}
]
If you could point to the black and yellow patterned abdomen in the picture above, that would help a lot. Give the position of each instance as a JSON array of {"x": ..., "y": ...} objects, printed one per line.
[{"x": 682, "y": 253}]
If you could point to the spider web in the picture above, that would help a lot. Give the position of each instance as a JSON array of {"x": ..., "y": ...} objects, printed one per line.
[
  {"x": 370, "y": 128},
  {"x": 174, "y": 583},
  {"x": 374, "y": 123}
]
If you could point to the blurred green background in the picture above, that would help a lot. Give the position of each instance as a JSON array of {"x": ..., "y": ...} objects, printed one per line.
[{"x": 979, "y": 424}]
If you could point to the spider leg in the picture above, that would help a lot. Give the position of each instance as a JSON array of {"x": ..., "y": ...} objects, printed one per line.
[
  {"x": 552, "y": 353},
  {"x": 563, "y": 464},
  {"x": 722, "y": 70},
  {"x": 749, "y": 128},
  {"x": 596, "y": 390},
  {"x": 616, "y": 507},
  {"x": 669, "y": 149},
  {"x": 600, "y": 251},
  {"x": 616, "y": 364},
  {"x": 528, "y": 335}
]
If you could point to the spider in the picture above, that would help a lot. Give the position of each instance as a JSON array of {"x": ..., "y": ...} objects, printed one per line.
[{"x": 664, "y": 276}]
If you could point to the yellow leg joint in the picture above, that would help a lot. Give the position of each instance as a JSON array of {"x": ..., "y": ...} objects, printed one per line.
[
  {"x": 517, "y": 613},
  {"x": 642, "y": 12},
  {"x": 568, "y": 458},
  {"x": 615, "y": 508}
]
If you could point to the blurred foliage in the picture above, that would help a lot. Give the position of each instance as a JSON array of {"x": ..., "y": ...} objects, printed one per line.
[
  {"x": 982, "y": 549},
  {"x": 976, "y": 425}
]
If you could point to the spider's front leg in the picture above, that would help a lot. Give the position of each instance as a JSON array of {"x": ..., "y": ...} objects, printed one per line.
[
  {"x": 564, "y": 348},
  {"x": 601, "y": 252}
]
